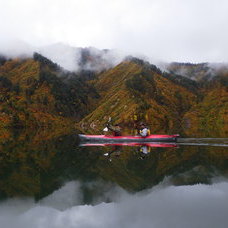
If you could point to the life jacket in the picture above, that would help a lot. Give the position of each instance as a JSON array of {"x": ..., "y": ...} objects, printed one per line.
[
  {"x": 142, "y": 132},
  {"x": 148, "y": 132}
]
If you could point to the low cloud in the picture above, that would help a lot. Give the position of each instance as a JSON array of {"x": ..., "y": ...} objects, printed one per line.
[
  {"x": 163, "y": 206},
  {"x": 64, "y": 55},
  {"x": 70, "y": 58},
  {"x": 15, "y": 48},
  {"x": 183, "y": 31}
]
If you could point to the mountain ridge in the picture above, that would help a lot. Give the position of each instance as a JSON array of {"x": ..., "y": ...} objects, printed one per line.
[
  {"x": 136, "y": 87},
  {"x": 37, "y": 92}
]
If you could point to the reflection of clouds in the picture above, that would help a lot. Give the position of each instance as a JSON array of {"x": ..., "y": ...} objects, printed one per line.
[
  {"x": 184, "y": 206},
  {"x": 65, "y": 197},
  {"x": 75, "y": 193}
]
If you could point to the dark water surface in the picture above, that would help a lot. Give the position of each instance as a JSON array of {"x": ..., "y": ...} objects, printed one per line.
[{"x": 52, "y": 182}]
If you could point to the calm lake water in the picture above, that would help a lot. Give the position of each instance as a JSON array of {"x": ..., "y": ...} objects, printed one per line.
[{"x": 53, "y": 182}]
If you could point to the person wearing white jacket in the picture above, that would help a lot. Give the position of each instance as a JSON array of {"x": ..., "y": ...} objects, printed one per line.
[{"x": 144, "y": 131}]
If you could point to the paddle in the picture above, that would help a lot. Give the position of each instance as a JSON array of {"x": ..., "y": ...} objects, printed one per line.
[{"x": 109, "y": 120}]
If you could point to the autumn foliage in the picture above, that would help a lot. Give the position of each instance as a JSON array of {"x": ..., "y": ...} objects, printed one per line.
[{"x": 37, "y": 93}]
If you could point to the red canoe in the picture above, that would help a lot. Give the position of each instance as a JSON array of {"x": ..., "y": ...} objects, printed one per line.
[
  {"x": 127, "y": 139},
  {"x": 153, "y": 144}
]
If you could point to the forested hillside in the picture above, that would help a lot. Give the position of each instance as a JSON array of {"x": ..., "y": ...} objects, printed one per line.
[
  {"x": 35, "y": 92},
  {"x": 137, "y": 91}
]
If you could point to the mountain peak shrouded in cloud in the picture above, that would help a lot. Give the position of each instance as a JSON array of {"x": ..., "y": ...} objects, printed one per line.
[
  {"x": 70, "y": 58},
  {"x": 62, "y": 54},
  {"x": 79, "y": 59},
  {"x": 178, "y": 30},
  {"x": 93, "y": 59},
  {"x": 199, "y": 71}
]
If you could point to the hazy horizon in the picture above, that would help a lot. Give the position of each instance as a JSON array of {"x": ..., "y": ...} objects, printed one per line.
[{"x": 161, "y": 31}]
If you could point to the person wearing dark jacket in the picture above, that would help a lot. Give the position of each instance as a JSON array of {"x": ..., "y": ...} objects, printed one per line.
[{"x": 115, "y": 129}]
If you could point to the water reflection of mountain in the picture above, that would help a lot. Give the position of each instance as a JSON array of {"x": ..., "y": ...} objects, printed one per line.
[{"x": 32, "y": 165}]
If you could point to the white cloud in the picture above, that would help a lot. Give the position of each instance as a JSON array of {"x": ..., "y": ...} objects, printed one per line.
[
  {"x": 65, "y": 55},
  {"x": 164, "y": 206},
  {"x": 170, "y": 30}
]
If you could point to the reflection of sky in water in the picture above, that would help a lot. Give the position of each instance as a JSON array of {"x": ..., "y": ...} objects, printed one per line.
[{"x": 163, "y": 206}]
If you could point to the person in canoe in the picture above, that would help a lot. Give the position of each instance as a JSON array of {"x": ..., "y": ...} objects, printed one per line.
[
  {"x": 143, "y": 130},
  {"x": 115, "y": 129}
]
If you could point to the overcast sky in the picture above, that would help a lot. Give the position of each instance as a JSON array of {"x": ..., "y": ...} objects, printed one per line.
[{"x": 168, "y": 30}]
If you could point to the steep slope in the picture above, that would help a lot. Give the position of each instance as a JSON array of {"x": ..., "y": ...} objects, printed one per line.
[
  {"x": 136, "y": 91},
  {"x": 88, "y": 60},
  {"x": 210, "y": 116},
  {"x": 37, "y": 92}
]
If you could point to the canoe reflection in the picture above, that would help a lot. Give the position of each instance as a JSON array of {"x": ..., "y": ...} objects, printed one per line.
[
  {"x": 143, "y": 149},
  {"x": 116, "y": 151}
]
